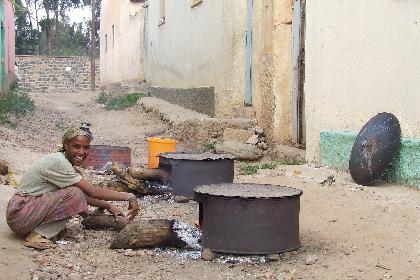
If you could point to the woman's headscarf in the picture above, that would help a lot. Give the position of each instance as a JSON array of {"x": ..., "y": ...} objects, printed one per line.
[{"x": 78, "y": 129}]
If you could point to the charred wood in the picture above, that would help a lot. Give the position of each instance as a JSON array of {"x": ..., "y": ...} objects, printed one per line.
[{"x": 147, "y": 234}]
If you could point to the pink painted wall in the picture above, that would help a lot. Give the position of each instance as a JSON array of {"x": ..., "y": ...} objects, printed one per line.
[{"x": 9, "y": 48}]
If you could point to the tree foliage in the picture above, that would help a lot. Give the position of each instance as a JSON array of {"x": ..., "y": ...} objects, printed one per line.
[
  {"x": 52, "y": 33},
  {"x": 26, "y": 35}
]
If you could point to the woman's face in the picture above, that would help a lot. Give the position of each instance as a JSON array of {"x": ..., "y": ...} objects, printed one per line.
[{"x": 77, "y": 149}]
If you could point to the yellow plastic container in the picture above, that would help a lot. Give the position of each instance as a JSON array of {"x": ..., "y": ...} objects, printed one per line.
[{"x": 155, "y": 146}]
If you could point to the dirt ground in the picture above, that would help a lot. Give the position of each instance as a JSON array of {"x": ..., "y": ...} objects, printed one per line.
[{"x": 347, "y": 231}]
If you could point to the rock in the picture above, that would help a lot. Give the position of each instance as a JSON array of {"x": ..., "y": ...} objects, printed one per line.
[
  {"x": 239, "y": 151},
  {"x": 272, "y": 257},
  {"x": 238, "y": 135},
  {"x": 130, "y": 253},
  {"x": 44, "y": 276},
  {"x": 207, "y": 254},
  {"x": 4, "y": 167},
  {"x": 286, "y": 255},
  {"x": 181, "y": 199},
  {"x": 253, "y": 140},
  {"x": 287, "y": 153},
  {"x": 258, "y": 130},
  {"x": 311, "y": 259},
  {"x": 74, "y": 276},
  {"x": 262, "y": 145}
]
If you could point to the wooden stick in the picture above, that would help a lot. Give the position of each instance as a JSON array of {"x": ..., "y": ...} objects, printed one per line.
[
  {"x": 131, "y": 183},
  {"x": 98, "y": 220},
  {"x": 148, "y": 174}
]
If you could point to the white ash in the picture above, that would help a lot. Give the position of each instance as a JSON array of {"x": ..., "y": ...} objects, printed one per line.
[
  {"x": 159, "y": 186},
  {"x": 156, "y": 198},
  {"x": 235, "y": 259},
  {"x": 180, "y": 254},
  {"x": 188, "y": 234}
]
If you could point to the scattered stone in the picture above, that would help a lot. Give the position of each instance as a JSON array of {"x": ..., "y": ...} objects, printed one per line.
[
  {"x": 239, "y": 151},
  {"x": 181, "y": 199},
  {"x": 286, "y": 255},
  {"x": 130, "y": 253},
  {"x": 311, "y": 259},
  {"x": 253, "y": 140},
  {"x": 258, "y": 130},
  {"x": 4, "y": 247},
  {"x": 328, "y": 181},
  {"x": 262, "y": 145},
  {"x": 44, "y": 276},
  {"x": 74, "y": 276},
  {"x": 207, "y": 254},
  {"x": 273, "y": 257}
]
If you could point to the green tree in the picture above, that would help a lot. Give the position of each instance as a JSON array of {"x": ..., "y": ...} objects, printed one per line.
[
  {"x": 26, "y": 39},
  {"x": 53, "y": 34},
  {"x": 97, "y": 24}
]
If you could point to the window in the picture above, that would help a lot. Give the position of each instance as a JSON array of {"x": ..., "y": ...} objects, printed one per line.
[
  {"x": 161, "y": 12},
  {"x": 195, "y": 3}
]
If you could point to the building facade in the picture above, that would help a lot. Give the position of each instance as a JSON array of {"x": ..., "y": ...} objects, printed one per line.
[
  {"x": 237, "y": 54},
  {"x": 7, "y": 45}
]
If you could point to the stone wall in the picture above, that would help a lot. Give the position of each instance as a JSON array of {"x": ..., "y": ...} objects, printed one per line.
[
  {"x": 198, "y": 99},
  {"x": 61, "y": 74}
]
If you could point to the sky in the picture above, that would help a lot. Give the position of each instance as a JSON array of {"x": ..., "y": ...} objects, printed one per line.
[{"x": 77, "y": 15}]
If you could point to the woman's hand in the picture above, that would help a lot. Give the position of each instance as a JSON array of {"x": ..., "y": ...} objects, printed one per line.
[
  {"x": 114, "y": 210},
  {"x": 133, "y": 207}
]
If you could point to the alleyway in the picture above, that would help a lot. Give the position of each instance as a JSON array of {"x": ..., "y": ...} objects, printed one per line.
[{"x": 346, "y": 231}]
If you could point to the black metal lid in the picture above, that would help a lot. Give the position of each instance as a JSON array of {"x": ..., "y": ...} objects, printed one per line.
[
  {"x": 248, "y": 190},
  {"x": 195, "y": 156},
  {"x": 374, "y": 149}
]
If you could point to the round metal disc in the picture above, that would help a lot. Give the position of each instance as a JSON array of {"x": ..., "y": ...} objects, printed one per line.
[{"x": 375, "y": 148}]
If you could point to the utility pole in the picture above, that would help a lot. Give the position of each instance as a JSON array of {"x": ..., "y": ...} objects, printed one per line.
[{"x": 93, "y": 47}]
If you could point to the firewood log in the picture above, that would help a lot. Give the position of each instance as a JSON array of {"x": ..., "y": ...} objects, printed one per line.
[
  {"x": 133, "y": 184},
  {"x": 113, "y": 185},
  {"x": 147, "y": 234},
  {"x": 99, "y": 220},
  {"x": 148, "y": 174}
]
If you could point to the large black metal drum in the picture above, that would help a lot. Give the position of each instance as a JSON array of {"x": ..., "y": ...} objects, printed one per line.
[
  {"x": 249, "y": 218},
  {"x": 188, "y": 170}
]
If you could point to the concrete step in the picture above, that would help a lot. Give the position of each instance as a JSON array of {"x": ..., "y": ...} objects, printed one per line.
[{"x": 193, "y": 128}]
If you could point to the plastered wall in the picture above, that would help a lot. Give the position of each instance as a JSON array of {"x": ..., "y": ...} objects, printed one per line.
[
  {"x": 272, "y": 37},
  {"x": 121, "y": 35},
  {"x": 9, "y": 25},
  {"x": 201, "y": 46},
  {"x": 362, "y": 58}
]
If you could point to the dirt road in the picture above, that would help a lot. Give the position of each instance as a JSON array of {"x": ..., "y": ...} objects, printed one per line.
[{"x": 346, "y": 231}]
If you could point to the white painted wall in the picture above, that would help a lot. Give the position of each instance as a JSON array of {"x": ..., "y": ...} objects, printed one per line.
[
  {"x": 198, "y": 47},
  {"x": 362, "y": 58},
  {"x": 121, "y": 54}
]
